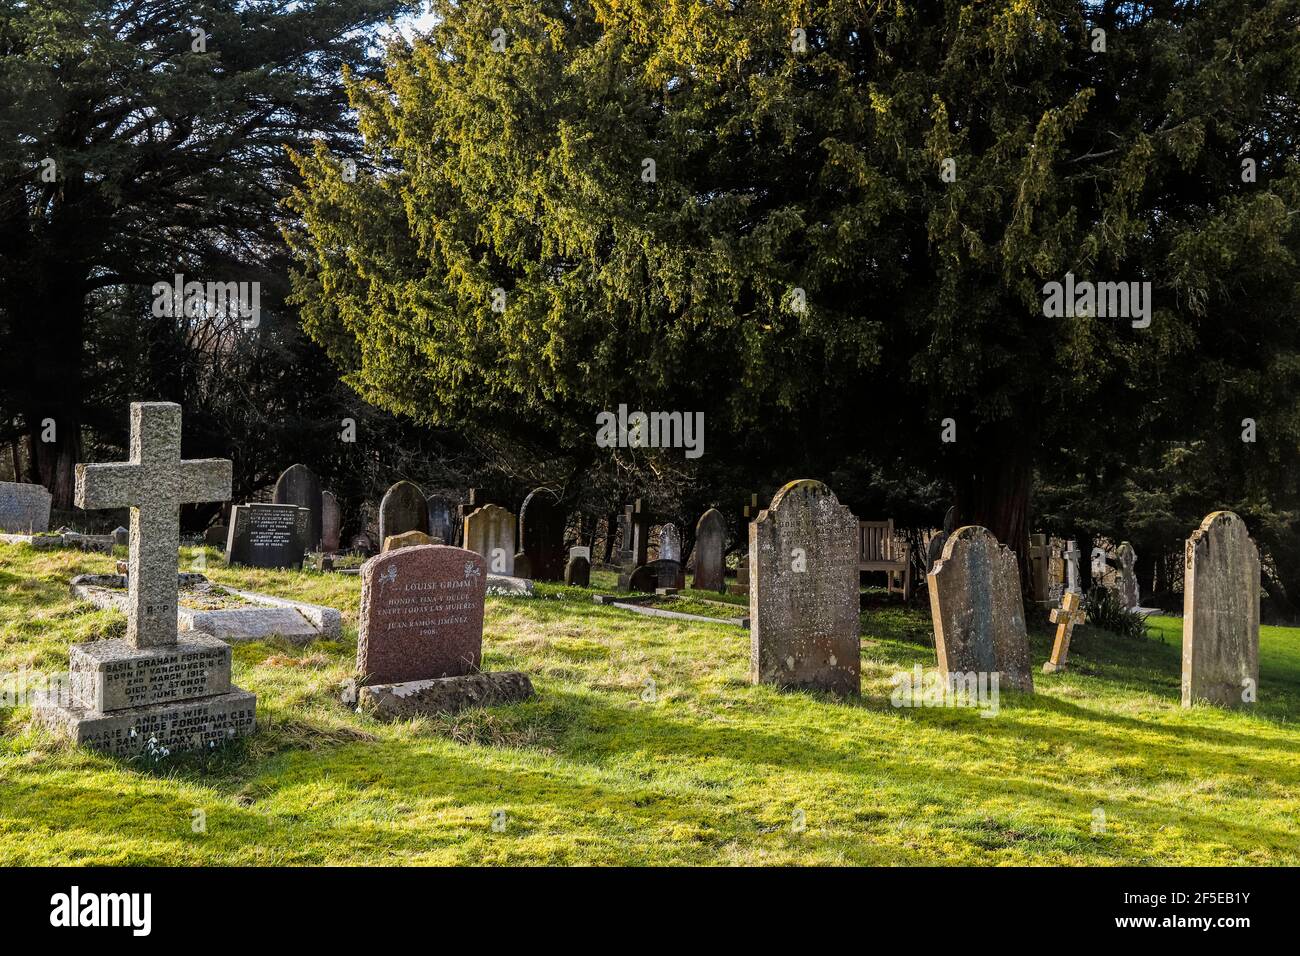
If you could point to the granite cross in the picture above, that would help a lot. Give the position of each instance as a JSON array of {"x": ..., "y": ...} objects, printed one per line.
[
  {"x": 1064, "y": 617},
  {"x": 1072, "y": 556},
  {"x": 154, "y": 484}
]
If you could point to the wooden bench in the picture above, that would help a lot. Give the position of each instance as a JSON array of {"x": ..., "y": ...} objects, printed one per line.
[{"x": 878, "y": 550}]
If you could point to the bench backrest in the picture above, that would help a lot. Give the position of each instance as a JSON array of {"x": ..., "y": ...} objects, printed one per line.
[{"x": 876, "y": 540}]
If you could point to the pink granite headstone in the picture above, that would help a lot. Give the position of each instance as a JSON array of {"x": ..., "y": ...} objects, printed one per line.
[{"x": 421, "y": 614}]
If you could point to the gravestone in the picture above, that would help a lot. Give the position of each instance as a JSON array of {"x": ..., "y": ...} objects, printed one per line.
[
  {"x": 490, "y": 532},
  {"x": 577, "y": 573},
  {"x": 1221, "y": 593},
  {"x": 670, "y": 543},
  {"x": 634, "y": 543},
  {"x": 523, "y": 567},
  {"x": 541, "y": 533},
  {"x": 1072, "y": 556},
  {"x": 935, "y": 549},
  {"x": 214, "y": 536},
  {"x": 123, "y": 537},
  {"x": 298, "y": 485},
  {"x": 331, "y": 522},
  {"x": 1127, "y": 583},
  {"x": 408, "y": 539},
  {"x": 1038, "y": 561},
  {"x": 420, "y": 636},
  {"x": 803, "y": 592},
  {"x": 267, "y": 536},
  {"x": 1065, "y": 618},
  {"x": 151, "y": 690},
  {"x": 710, "y": 545},
  {"x": 24, "y": 508},
  {"x": 658, "y": 574},
  {"x": 442, "y": 519},
  {"x": 979, "y": 618},
  {"x": 421, "y": 614},
  {"x": 403, "y": 508}
]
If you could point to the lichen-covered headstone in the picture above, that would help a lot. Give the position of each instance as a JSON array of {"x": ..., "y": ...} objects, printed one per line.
[
  {"x": 710, "y": 542},
  {"x": 403, "y": 508},
  {"x": 1221, "y": 614},
  {"x": 803, "y": 592},
  {"x": 407, "y": 539},
  {"x": 1127, "y": 582},
  {"x": 490, "y": 531},
  {"x": 979, "y": 617},
  {"x": 541, "y": 534},
  {"x": 24, "y": 508},
  {"x": 298, "y": 485}
]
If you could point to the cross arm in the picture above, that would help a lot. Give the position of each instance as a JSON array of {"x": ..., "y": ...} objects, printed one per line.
[
  {"x": 107, "y": 486},
  {"x": 205, "y": 479}
]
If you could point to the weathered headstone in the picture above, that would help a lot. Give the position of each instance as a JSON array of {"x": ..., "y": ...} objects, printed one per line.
[
  {"x": 490, "y": 531},
  {"x": 442, "y": 519},
  {"x": 121, "y": 536},
  {"x": 710, "y": 545},
  {"x": 298, "y": 485},
  {"x": 577, "y": 573},
  {"x": 803, "y": 592},
  {"x": 670, "y": 543},
  {"x": 408, "y": 539},
  {"x": 215, "y": 536},
  {"x": 1221, "y": 593},
  {"x": 421, "y": 614},
  {"x": 1038, "y": 560},
  {"x": 523, "y": 567},
  {"x": 541, "y": 534},
  {"x": 24, "y": 508},
  {"x": 403, "y": 508},
  {"x": 268, "y": 536},
  {"x": 979, "y": 618},
  {"x": 1127, "y": 582},
  {"x": 151, "y": 690},
  {"x": 1072, "y": 556},
  {"x": 1065, "y": 618},
  {"x": 331, "y": 522}
]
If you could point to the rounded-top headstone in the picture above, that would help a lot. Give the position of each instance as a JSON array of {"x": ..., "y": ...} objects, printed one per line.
[
  {"x": 977, "y": 609},
  {"x": 803, "y": 591},
  {"x": 403, "y": 508},
  {"x": 331, "y": 522},
  {"x": 541, "y": 534},
  {"x": 710, "y": 546},
  {"x": 670, "y": 543},
  {"x": 298, "y": 485}
]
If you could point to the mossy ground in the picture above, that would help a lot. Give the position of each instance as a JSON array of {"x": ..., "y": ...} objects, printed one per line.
[{"x": 648, "y": 745}]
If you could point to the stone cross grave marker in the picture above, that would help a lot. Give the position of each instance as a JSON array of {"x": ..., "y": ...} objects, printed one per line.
[
  {"x": 154, "y": 483},
  {"x": 979, "y": 618},
  {"x": 1064, "y": 617},
  {"x": 803, "y": 595},
  {"x": 1221, "y": 614},
  {"x": 1072, "y": 555}
]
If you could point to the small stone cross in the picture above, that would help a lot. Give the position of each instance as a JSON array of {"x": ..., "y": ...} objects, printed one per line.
[
  {"x": 1064, "y": 617},
  {"x": 154, "y": 483}
]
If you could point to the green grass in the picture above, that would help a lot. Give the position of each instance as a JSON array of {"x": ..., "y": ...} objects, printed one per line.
[{"x": 648, "y": 745}]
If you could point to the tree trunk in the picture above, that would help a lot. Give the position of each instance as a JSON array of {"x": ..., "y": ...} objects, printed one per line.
[{"x": 993, "y": 491}]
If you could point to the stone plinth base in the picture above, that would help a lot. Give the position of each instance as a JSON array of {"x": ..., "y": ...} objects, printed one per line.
[
  {"x": 185, "y": 725},
  {"x": 108, "y": 676},
  {"x": 443, "y": 695}
]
